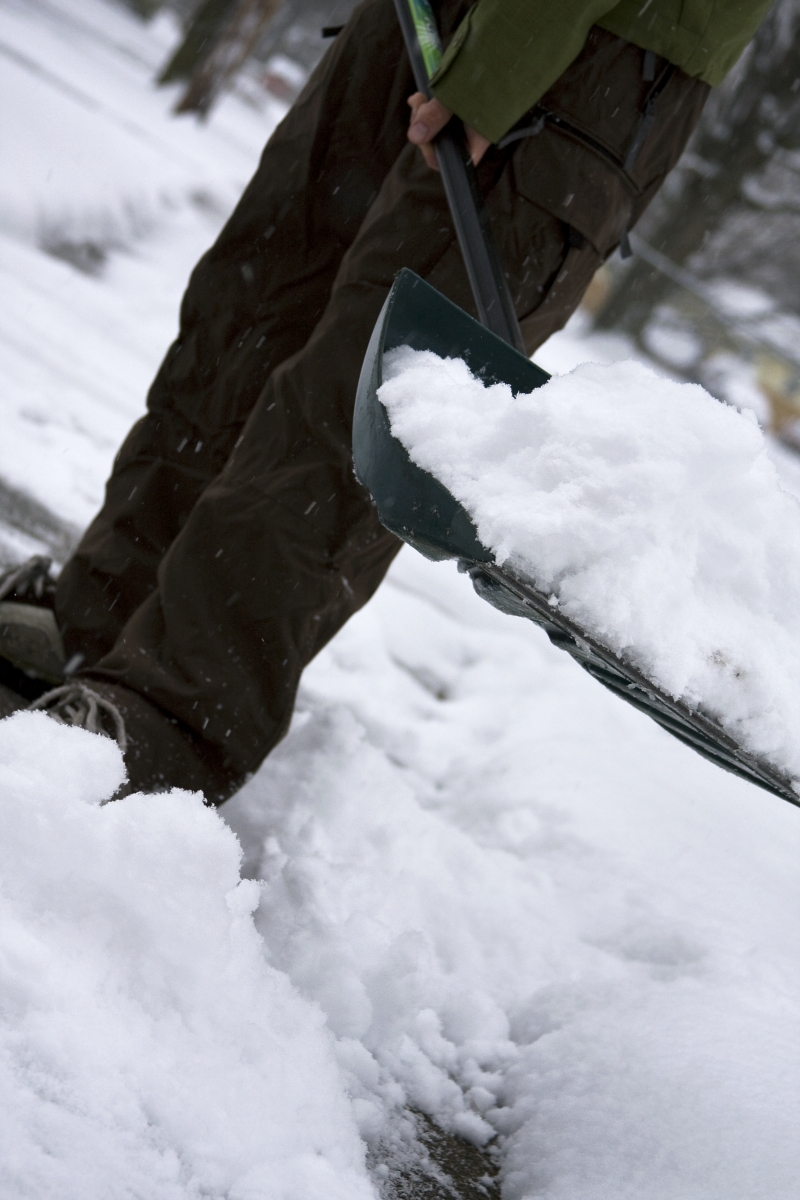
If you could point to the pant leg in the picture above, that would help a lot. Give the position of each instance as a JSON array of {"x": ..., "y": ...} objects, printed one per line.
[
  {"x": 283, "y": 545},
  {"x": 252, "y": 302}
]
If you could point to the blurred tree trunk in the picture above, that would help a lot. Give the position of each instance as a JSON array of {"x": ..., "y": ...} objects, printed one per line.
[
  {"x": 219, "y": 40},
  {"x": 751, "y": 118},
  {"x": 200, "y": 37},
  {"x": 146, "y": 9}
]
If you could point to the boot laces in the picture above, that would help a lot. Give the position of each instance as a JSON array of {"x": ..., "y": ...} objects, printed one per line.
[
  {"x": 31, "y": 578},
  {"x": 79, "y": 705}
]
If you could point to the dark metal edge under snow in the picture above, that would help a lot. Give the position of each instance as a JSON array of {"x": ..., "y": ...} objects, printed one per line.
[{"x": 420, "y": 510}]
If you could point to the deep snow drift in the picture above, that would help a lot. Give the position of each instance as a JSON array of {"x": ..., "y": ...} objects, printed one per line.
[
  {"x": 486, "y": 887},
  {"x": 649, "y": 511},
  {"x": 147, "y": 1048}
]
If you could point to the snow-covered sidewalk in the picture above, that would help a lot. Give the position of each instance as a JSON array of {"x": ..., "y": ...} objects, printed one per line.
[{"x": 474, "y": 882}]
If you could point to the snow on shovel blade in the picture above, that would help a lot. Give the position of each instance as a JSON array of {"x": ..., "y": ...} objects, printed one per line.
[
  {"x": 410, "y": 501},
  {"x": 415, "y": 506}
]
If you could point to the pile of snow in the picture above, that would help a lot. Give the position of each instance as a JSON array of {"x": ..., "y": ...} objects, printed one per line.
[
  {"x": 651, "y": 514},
  {"x": 524, "y": 908},
  {"x": 594, "y": 965},
  {"x": 146, "y": 1047}
]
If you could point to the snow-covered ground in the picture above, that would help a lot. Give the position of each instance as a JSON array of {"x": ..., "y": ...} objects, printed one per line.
[{"x": 474, "y": 883}]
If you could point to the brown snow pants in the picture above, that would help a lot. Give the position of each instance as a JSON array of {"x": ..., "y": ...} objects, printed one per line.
[{"x": 234, "y": 540}]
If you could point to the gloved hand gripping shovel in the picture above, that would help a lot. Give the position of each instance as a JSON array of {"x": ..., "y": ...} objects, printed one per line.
[{"x": 419, "y": 509}]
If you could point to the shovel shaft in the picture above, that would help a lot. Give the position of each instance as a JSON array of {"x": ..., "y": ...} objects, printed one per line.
[{"x": 489, "y": 286}]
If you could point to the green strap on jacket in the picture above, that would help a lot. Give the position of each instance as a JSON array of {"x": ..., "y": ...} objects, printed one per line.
[{"x": 505, "y": 54}]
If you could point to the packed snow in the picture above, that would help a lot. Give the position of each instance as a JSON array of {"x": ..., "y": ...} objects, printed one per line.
[
  {"x": 650, "y": 512},
  {"x": 471, "y": 882}
]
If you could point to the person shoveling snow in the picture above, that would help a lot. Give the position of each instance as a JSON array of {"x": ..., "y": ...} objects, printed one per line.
[
  {"x": 446, "y": 846},
  {"x": 234, "y": 540},
  {"x": 648, "y": 512}
]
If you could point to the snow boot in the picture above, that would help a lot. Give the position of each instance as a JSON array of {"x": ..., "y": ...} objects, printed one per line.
[
  {"x": 30, "y": 582},
  {"x": 79, "y": 705},
  {"x": 160, "y": 752},
  {"x": 30, "y": 641},
  {"x": 31, "y": 650}
]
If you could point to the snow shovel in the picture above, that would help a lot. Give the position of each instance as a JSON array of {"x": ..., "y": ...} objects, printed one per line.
[{"x": 415, "y": 506}]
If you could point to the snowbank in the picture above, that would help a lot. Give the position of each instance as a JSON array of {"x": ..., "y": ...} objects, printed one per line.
[
  {"x": 604, "y": 974},
  {"x": 146, "y": 1047},
  {"x": 649, "y": 510},
  {"x": 513, "y": 935}
]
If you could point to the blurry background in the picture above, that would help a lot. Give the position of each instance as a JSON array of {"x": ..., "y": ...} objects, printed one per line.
[
  {"x": 713, "y": 288},
  {"x": 244, "y": 44}
]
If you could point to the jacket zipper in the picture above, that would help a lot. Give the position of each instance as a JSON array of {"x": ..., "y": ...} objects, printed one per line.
[{"x": 542, "y": 116}]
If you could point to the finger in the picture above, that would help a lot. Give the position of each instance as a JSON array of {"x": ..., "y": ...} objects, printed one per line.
[
  {"x": 429, "y": 154},
  {"x": 427, "y": 119},
  {"x": 415, "y": 103}
]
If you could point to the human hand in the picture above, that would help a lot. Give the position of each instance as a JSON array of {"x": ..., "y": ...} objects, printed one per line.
[{"x": 429, "y": 117}]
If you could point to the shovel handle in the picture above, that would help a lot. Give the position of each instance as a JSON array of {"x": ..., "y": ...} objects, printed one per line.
[{"x": 487, "y": 280}]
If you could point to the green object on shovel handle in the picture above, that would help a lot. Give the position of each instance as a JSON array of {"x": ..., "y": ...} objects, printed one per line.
[
  {"x": 427, "y": 38},
  {"x": 489, "y": 287}
]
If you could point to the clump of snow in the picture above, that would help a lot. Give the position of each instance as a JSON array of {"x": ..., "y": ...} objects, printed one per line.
[
  {"x": 648, "y": 509},
  {"x": 146, "y": 1046}
]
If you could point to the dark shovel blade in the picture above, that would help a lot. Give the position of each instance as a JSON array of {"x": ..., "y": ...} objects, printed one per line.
[
  {"x": 420, "y": 510},
  {"x": 410, "y": 502}
]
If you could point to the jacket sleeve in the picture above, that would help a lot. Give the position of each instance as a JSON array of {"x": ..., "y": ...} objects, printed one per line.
[{"x": 505, "y": 54}]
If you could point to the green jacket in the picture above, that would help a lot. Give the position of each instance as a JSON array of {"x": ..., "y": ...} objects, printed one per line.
[{"x": 505, "y": 54}]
